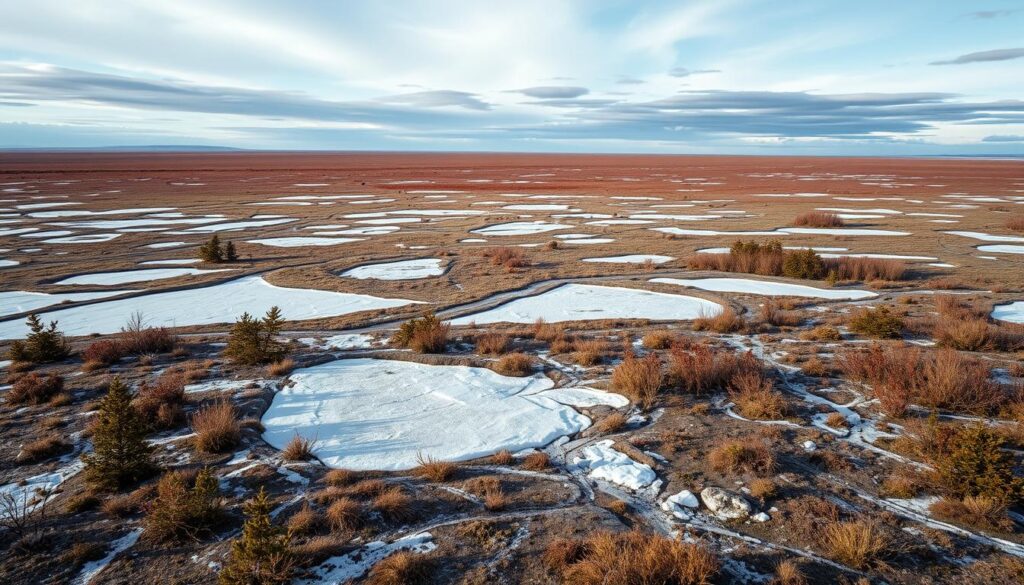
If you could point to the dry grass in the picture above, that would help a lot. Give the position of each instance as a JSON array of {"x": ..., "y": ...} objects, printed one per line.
[
  {"x": 658, "y": 340},
  {"x": 630, "y": 558},
  {"x": 763, "y": 489},
  {"x": 612, "y": 423},
  {"x": 507, "y": 257},
  {"x": 755, "y": 398},
  {"x": 340, "y": 477},
  {"x": 548, "y": 332},
  {"x": 395, "y": 505},
  {"x": 495, "y": 500},
  {"x": 34, "y": 388},
  {"x": 503, "y": 457},
  {"x": 788, "y": 572},
  {"x": 702, "y": 370},
  {"x": 771, "y": 312},
  {"x": 402, "y": 568},
  {"x": 589, "y": 352},
  {"x": 426, "y": 334},
  {"x": 42, "y": 449},
  {"x": 216, "y": 427},
  {"x": 880, "y": 323},
  {"x": 734, "y": 457},
  {"x": 820, "y": 219},
  {"x": 858, "y": 543},
  {"x": 434, "y": 469},
  {"x": 162, "y": 403},
  {"x": 822, "y": 333},
  {"x": 514, "y": 364},
  {"x": 281, "y": 368},
  {"x": 837, "y": 421},
  {"x": 538, "y": 461},
  {"x": 1016, "y": 224},
  {"x": 305, "y": 521},
  {"x": 868, "y": 269},
  {"x": 725, "y": 321},
  {"x": 298, "y": 449},
  {"x": 639, "y": 379},
  {"x": 815, "y": 367},
  {"x": 976, "y": 511},
  {"x": 492, "y": 343},
  {"x": 345, "y": 514}
]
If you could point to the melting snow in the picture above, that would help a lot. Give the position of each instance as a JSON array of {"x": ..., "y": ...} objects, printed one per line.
[
  {"x": 404, "y": 270},
  {"x": 766, "y": 287}
]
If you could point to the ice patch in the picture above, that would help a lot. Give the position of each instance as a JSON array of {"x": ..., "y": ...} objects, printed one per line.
[
  {"x": 605, "y": 463},
  {"x": 144, "y": 275},
  {"x": 520, "y": 228},
  {"x": 767, "y": 288},
  {"x": 299, "y": 241},
  {"x": 1011, "y": 313},
  {"x": 632, "y": 259},
  {"x": 404, "y": 270}
]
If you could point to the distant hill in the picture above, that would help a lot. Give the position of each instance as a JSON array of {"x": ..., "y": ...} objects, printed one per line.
[{"x": 141, "y": 148}]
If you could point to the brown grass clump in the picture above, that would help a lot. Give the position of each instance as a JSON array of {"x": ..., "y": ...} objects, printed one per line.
[
  {"x": 639, "y": 378},
  {"x": 977, "y": 511},
  {"x": 773, "y": 314},
  {"x": 340, "y": 477},
  {"x": 629, "y": 558},
  {"x": 492, "y": 343},
  {"x": 612, "y": 423},
  {"x": 1016, "y": 224},
  {"x": 702, "y": 370},
  {"x": 42, "y": 449},
  {"x": 402, "y": 568},
  {"x": 103, "y": 353},
  {"x": 162, "y": 403},
  {"x": 434, "y": 469},
  {"x": 426, "y": 334},
  {"x": 514, "y": 364},
  {"x": 763, "y": 489},
  {"x": 216, "y": 428},
  {"x": 137, "y": 339},
  {"x": 788, "y": 572},
  {"x": 345, "y": 514},
  {"x": 495, "y": 500},
  {"x": 868, "y": 269},
  {"x": 507, "y": 257},
  {"x": 589, "y": 352},
  {"x": 755, "y": 398},
  {"x": 734, "y": 457},
  {"x": 837, "y": 421},
  {"x": 298, "y": 449},
  {"x": 815, "y": 367},
  {"x": 858, "y": 543},
  {"x": 880, "y": 323},
  {"x": 503, "y": 457},
  {"x": 538, "y": 461},
  {"x": 368, "y": 487},
  {"x": 819, "y": 219},
  {"x": 658, "y": 340},
  {"x": 395, "y": 505},
  {"x": 822, "y": 333},
  {"x": 305, "y": 521},
  {"x": 725, "y": 321},
  {"x": 548, "y": 332},
  {"x": 281, "y": 368},
  {"x": 34, "y": 388}
]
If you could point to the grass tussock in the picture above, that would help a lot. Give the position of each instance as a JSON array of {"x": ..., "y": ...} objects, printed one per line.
[
  {"x": 395, "y": 505},
  {"x": 589, "y": 352},
  {"x": 724, "y": 321},
  {"x": 492, "y": 343},
  {"x": 511, "y": 259},
  {"x": 298, "y": 449},
  {"x": 658, "y": 340},
  {"x": 426, "y": 334},
  {"x": 34, "y": 388},
  {"x": 976, "y": 511},
  {"x": 639, "y": 378},
  {"x": 42, "y": 449},
  {"x": 538, "y": 461},
  {"x": 1015, "y": 224},
  {"x": 965, "y": 325},
  {"x": 755, "y": 398},
  {"x": 822, "y": 333},
  {"x": 281, "y": 367},
  {"x": 818, "y": 219},
  {"x": 858, "y": 543},
  {"x": 700, "y": 370},
  {"x": 216, "y": 427},
  {"x": 345, "y": 514},
  {"x": 434, "y": 470},
  {"x": 402, "y": 568},
  {"x": 305, "y": 521},
  {"x": 548, "y": 332},
  {"x": 735, "y": 457},
  {"x": 514, "y": 364},
  {"x": 879, "y": 323},
  {"x": 771, "y": 312},
  {"x": 162, "y": 403},
  {"x": 612, "y": 423},
  {"x": 340, "y": 477},
  {"x": 503, "y": 457},
  {"x": 788, "y": 572},
  {"x": 629, "y": 558}
]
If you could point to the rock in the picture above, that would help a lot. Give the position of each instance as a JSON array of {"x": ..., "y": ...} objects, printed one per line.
[
  {"x": 760, "y": 517},
  {"x": 809, "y": 446},
  {"x": 724, "y": 504}
]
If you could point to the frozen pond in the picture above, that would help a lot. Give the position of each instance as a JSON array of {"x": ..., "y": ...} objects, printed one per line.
[
  {"x": 578, "y": 302},
  {"x": 221, "y": 303},
  {"x": 403, "y": 270},
  {"x": 1002, "y": 249},
  {"x": 1011, "y": 313},
  {"x": 16, "y": 301},
  {"x": 299, "y": 241},
  {"x": 380, "y": 414},
  {"x": 767, "y": 288},
  {"x": 632, "y": 259},
  {"x": 520, "y": 228},
  {"x": 144, "y": 275}
]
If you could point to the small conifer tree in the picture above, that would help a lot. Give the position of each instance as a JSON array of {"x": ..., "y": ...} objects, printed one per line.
[
  {"x": 120, "y": 454},
  {"x": 211, "y": 250},
  {"x": 254, "y": 341},
  {"x": 44, "y": 344},
  {"x": 230, "y": 254},
  {"x": 178, "y": 512},
  {"x": 977, "y": 465},
  {"x": 262, "y": 555}
]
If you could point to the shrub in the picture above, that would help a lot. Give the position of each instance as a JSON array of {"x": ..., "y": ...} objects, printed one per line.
[
  {"x": 262, "y": 555},
  {"x": 104, "y": 351},
  {"x": 639, "y": 378},
  {"x": 121, "y": 455},
  {"x": 181, "y": 513},
  {"x": 700, "y": 370},
  {"x": 755, "y": 398},
  {"x": 814, "y": 367},
  {"x": 426, "y": 334},
  {"x": 42, "y": 449},
  {"x": 1016, "y": 224},
  {"x": 866, "y": 269},
  {"x": 510, "y": 258},
  {"x": 822, "y": 333},
  {"x": 821, "y": 219},
  {"x": 44, "y": 344},
  {"x": 772, "y": 313},
  {"x": 395, "y": 505},
  {"x": 252, "y": 341},
  {"x": 298, "y": 449},
  {"x": 857, "y": 544},
  {"x": 402, "y": 568},
  {"x": 211, "y": 251},
  {"x": 345, "y": 514},
  {"x": 589, "y": 352},
  {"x": 725, "y": 321},
  {"x": 763, "y": 489},
  {"x": 216, "y": 427},
  {"x": 976, "y": 465},
  {"x": 734, "y": 457},
  {"x": 514, "y": 364},
  {"x": 434, "y": 469},
  {"x": 492, "y": 343},
  {"x": 978, "y": 511},
  {"x": 230, "y": 253},
  {"x": 607, "y": 558},
  {"x": 880, "y": 323},
  {"x": 538, "y": 461},
  {"x": 612, "y": 423},
  {"x": 803, "y": 264},
  {"x": 162, "y": 403},
  {"x": 305, "y": 521},
  {"x": 137, "y": 339},
  {"x": 34, "y": 388},
  {"x": 658, "y": 340},
  {"x": 281, "y": 368},
  {"x": 503, "y": 457}
]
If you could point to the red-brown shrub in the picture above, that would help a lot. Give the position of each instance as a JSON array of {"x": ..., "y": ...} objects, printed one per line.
[{"x": 821, "y": 219}]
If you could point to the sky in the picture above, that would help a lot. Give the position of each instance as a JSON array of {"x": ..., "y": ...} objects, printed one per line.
[{"x": 801, "y": 77}]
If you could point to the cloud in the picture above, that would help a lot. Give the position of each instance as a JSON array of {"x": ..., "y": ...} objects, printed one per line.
[
  {"x": 439, "y": 98},
  {"x": 1004, "y": 138},
  {"x": 990, "y": 14},
  {"x": 628, "y": 80},
  {"x": 984, "y": 56},
  {"x": 684, "y": 72},
  {"x": 547, "y": 92}
]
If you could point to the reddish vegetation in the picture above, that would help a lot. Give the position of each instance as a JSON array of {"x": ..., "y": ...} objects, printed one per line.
[{"x": 819, "y": 219}]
